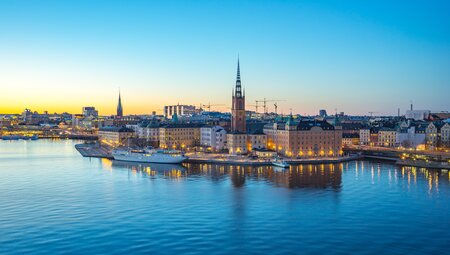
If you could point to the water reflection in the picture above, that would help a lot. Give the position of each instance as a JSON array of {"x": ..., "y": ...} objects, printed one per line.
[
  {"x": 434, "y": 178},
  {"x": 153, "y": 169},
  {"x": 302, "y": 176},
  {"x": 322, "y": 176}
]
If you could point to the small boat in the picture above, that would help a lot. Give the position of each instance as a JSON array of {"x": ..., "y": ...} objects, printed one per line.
[
  {"x": 280, "y": 163},
  {"x": 149, "y": 155},
  {"x": 34, "y": 137},
  {"x": 10, "y": 137}
]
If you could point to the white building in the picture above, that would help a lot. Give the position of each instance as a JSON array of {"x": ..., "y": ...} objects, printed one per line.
[
  {"x": 179, "y": 110},
  {"x": 214, "y": 137},
  {"x": 411, "y": 137},
  {"x": 418, "y": 114},
  {"x": 364, "y": 136}
]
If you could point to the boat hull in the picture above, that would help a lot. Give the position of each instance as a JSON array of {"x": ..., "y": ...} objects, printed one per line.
[
  {"x": 278, "y": 164},
  {"x": 161, "y": 159}
]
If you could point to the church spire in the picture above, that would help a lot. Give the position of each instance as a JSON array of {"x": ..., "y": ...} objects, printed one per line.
[
  {"x": 238, "y": 92},
  {"x": 119, "y": 107}
]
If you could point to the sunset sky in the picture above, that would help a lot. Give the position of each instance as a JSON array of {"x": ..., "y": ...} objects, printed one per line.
[{"x": 353, "y": 56}]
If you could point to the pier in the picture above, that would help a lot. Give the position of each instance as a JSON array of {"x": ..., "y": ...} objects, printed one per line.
[
  {"x": 96, "y": 151},
  {"x": 93, "y": 150}
]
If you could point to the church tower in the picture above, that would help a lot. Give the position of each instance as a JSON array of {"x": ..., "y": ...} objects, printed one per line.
[
  {"x": 238, "y": 106},
  {"x": 119, "y": 107}
]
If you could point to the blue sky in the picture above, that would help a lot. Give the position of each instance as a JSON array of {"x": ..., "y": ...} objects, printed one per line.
[{"x": 353, "y": 56}]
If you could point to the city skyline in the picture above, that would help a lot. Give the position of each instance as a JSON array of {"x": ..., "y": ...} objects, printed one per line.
[{"x": 60, "y": 57}]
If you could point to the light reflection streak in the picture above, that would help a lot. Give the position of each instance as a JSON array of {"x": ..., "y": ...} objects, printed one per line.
[{"x": 297, "y": 176}]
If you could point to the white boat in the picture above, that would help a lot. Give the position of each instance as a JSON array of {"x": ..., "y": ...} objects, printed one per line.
[
  {"x": 153, "y": 166},
  {"x": 149, "y": 155},
  {"x": 280, "y": 163}
]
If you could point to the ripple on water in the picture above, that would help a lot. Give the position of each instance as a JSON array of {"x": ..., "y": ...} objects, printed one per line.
[{"x": 54, "y": 201}]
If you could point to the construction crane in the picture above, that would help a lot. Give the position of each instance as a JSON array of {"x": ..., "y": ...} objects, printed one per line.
[
  {"x": 209, "y": 105},
  {"x": 276, "y": 108},
  {"x": 371, "y": 113},
  {"x": 265, "y": 101}
]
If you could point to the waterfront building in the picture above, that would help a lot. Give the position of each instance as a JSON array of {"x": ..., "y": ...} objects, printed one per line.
[
  {"x": 213, "y": 137},
  {"x": 412, "y": 136},
  {"x": 437, "y": 135},
  {"x": 119, "y": 107},
  {"x": 432, "y": 133},
  {"x": 445, "y": 135},
  {"x": 237, "y": 143},
  {"x": 368, "y": 136},
  {"x": 364, "y": 136},
  {"x": 182, "y": 136},
  {"x": 388, "y": 137},
  {"x": 256, "y": 141},
  {"x": 306, "y": 138},
  {"x": 115, "y": 136},
  {"x": 349, "y": 139},
  {"x": 243, "y": 143}
]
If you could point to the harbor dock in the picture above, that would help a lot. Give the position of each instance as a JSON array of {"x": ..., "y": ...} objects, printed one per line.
[
  {"x": 96, "y": 151},
  {"x": 93, "y": 150}
]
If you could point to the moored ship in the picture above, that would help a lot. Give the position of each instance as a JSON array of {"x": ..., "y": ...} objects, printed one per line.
[{"x": 149, "y": 155}]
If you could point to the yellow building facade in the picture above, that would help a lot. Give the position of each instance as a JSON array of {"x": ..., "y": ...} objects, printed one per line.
[{"x": 305, "y": 139}]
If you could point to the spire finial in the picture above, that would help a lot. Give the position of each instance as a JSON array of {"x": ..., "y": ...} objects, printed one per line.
[
  {"x": 238, "y": 70},
  {"x": 238, "y": 92}
]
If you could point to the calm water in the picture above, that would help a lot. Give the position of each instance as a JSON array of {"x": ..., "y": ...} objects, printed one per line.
[{"x": 54, "y": 201}]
